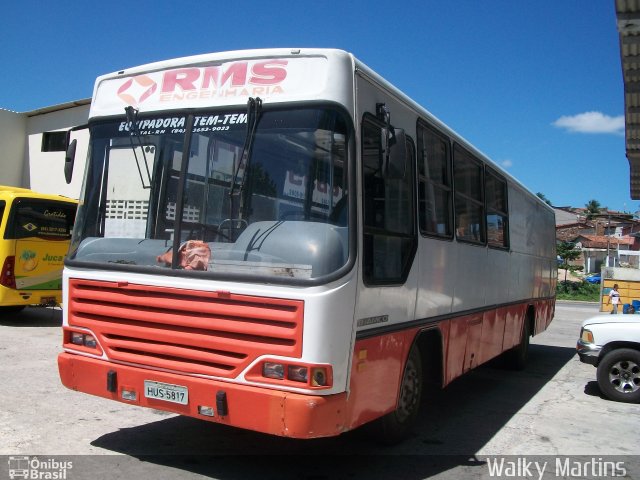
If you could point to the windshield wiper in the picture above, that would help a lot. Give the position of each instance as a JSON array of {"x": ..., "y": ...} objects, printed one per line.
[
  {"x": 132, "y": 118},
  {"x": 254, "y": 109}
]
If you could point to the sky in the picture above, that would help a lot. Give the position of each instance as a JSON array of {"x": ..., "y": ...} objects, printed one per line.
[{"x": 535, "y": 85}]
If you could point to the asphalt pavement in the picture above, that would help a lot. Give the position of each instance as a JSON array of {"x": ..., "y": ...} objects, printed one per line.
[{"x": 552, "y": 411}]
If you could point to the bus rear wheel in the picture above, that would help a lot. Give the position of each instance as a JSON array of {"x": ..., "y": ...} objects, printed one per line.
[
  {"x": 396, "y": 426},
  {"x": 516, "y": 358}
]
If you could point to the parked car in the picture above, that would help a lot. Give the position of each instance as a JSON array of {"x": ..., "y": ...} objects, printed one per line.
[
  {"x": 611, "y": 343},
  {"x": 593, "y": 278}
]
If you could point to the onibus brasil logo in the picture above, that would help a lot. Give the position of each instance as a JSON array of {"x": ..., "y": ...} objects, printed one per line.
[{"x": 36, "y": 468}]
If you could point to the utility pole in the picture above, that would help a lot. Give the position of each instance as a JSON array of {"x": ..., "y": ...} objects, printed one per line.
[{"x": 609, "y": 238}]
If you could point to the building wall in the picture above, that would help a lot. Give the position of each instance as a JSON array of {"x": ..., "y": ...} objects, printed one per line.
[
  {"x": 13, "y": 146},
  {"x": 46, "y": 169}
]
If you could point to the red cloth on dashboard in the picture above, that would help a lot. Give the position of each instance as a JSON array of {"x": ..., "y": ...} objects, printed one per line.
[{"x": 194, "y": 255}]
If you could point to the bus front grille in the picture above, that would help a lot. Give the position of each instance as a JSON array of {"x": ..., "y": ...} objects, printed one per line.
[{"x": 189, "y": 331}]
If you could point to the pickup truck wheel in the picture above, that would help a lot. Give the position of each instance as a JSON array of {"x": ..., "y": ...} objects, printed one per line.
[{"x": 619, "y": 375}]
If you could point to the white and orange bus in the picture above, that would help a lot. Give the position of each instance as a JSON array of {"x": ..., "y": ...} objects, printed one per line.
[{"x": 280, "y": 240}]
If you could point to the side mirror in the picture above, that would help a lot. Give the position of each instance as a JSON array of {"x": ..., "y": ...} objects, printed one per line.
[
  {"x": 69, "y": 160},
  {"x": 396, "y": 155},
  {"x": 394, "y": 144}
]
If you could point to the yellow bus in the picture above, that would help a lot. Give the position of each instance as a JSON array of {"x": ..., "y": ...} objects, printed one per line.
[{"x": 35, "y": 230}]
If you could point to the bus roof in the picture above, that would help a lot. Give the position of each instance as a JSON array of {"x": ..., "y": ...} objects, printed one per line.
[{"x": 228, "y": 56}]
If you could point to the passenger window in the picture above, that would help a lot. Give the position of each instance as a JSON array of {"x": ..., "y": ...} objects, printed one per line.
[
  {"x": 497, "y": 210},
  {"x": 469, "y": 197},
  {"x": 389, "y": 226},
  {"x": 434, "y": 170}
]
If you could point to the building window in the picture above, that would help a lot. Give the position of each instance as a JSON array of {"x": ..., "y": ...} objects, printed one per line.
[
  {"x": 54, "y": 142},
  {"x": 469, "y": 197},
  {"x": 434, "y": 173},
  {"x": 389, "y": 225},
  {"x": 497, "y": 211}
]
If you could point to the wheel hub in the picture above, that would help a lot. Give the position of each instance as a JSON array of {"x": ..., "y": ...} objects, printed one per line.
[{"x": 625, "y": 376}]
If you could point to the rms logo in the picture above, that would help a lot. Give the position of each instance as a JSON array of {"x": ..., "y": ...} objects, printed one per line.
[
  {"x": 230, "y": 80},
  {"x": 137, "y": 89}
]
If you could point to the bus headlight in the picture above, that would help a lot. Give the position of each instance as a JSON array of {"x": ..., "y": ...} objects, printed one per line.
[
  {"x": 297, "y": 373},
  {"x": 77, "y": 338},
  {"x": 273, "y": 370},
  {"x": 90, "y": 341},
  {"x": 292, "y": 374},
  {"x": 83, "y": 341}
]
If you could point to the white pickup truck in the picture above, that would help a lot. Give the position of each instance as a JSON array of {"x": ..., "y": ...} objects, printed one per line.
[{"x": 612, "y": 344}]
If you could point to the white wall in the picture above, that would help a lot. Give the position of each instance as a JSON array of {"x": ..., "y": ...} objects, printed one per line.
[
  {"x": 12, "y": 148},
  {"x": 46, "y": 169}
]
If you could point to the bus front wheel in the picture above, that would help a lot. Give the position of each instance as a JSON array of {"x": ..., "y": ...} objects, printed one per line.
[{"x": 396, "y": 426}]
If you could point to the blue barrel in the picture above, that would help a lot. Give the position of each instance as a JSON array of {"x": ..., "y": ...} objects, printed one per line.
[
  {"x": 636, "y": 304},
  {"x": 625, "y": 308}
]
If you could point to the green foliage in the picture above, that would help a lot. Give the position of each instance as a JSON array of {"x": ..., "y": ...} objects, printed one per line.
[
  {"x": 583, "y": 291},
  {"x": 567, "y": 251},
  {"x": 543, "y": 197},
  {"x": 593, "y": 208}
]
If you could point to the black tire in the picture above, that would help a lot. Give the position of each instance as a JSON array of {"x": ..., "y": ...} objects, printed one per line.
[
  {"x": 396, "y": 426},
  {"x": 516, "y": 358},
  {"x": 11, "y": 310},
  {"x": 619, "y": 375}
]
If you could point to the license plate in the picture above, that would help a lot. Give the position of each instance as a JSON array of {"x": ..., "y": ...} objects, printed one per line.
[
  {"x": 47, "y": 300},
  {"x": 166, "y": 392}
]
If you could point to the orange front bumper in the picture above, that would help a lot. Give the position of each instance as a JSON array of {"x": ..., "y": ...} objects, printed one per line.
[{"x": 254, "y": 408}]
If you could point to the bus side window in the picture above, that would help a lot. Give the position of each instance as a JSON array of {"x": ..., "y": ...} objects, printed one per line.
[
  {"x": 1, "y": 212},
  {"x": 469, "y": 197},
  {"x": 497, "y": 210},
  {"x": 389, "y": 226},
  {"x": 434, "y": 174}
]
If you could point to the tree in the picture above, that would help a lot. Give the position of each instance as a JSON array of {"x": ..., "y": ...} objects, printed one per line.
[
  {"x": 544, "y": 198},
  {"x": 567, "y": 251},
  {"x": 593, "y": 208}
]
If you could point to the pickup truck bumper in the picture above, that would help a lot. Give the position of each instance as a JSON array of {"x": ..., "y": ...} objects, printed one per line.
[{"x": 588, "y": 353}]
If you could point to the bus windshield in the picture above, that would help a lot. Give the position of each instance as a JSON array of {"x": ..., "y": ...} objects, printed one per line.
[{"x": 273, "y": 204}]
